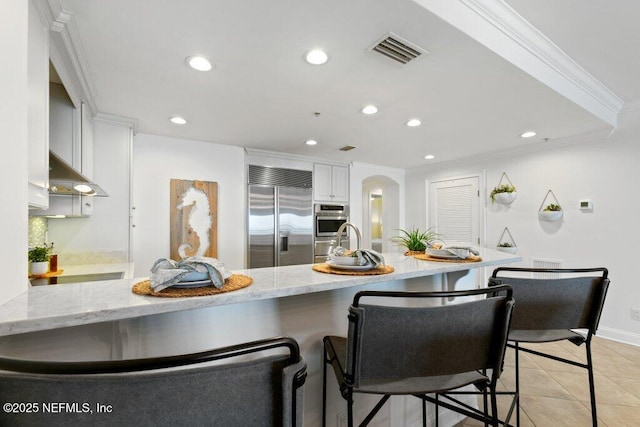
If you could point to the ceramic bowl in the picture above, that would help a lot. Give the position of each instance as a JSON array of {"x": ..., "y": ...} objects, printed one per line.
[
  {"x": 194, "y": 276},
  {"x": 505, "y": 198},
  {"x": 550, "y": 215},
  {"x": 344, "y": 260},
  {"x": 446, "y": 253}
]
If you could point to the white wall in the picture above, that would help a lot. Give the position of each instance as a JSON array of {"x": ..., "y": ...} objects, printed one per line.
[
  {"x": 13, "y": 127},
  {"x": 604, "y": 171},
  {"x": 158, "y": 160}
]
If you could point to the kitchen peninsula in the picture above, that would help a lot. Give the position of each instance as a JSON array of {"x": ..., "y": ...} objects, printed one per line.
[
  {"x": 50, "y": 307},
  {"x": 76, "y": 319}
]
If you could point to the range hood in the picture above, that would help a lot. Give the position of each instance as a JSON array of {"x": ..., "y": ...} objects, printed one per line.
[{"x": 65, "y": 180}]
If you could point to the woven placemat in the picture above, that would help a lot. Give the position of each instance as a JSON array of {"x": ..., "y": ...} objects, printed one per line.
[
  {"x": 233, "y": 283},
  {"x": 426, "y": 257},
  {"x": 46, "y": 275},
  {"x": 326, "y": 268},
  {"x": 408, "y": 253}
]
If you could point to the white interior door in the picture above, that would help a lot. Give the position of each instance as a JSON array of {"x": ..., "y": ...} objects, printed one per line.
[{"x": 454, "y": 209}]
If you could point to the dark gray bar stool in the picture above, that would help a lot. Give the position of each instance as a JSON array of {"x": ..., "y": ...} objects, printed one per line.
[
  {"x": 421, "y": 350},
  {"x": 265, "y": 390},
  {"x": 550, "y": 310}
]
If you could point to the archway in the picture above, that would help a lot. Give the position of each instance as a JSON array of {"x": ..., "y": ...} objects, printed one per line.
[{"x": 380, "y": 212}]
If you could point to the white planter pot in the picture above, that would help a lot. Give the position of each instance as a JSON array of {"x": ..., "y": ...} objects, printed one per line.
[
  {"x": 38, "y": 268},
  {"x": 507, "y": 249},
  {"x": 550, "y": 216},
  {"x": 505, "y": 198}
]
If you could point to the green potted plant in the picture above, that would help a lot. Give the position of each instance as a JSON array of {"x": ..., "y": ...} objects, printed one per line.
[
  {"x": 503, "y": 194},
  {"x": 415, "y": 240},
  {"x": 551, "y": 212},
  {"x": 506, "y": 243},
  {"x": 507, "y": 247},
  {"x": 39, "y": 259}
]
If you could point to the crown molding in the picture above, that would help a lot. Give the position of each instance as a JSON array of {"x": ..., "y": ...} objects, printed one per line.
[
  {"x": 501, "y": 29},
  {"x": 67, "y": 53},
  {"x": 599, "y": 135},
  {"x": 114, "y": 119}
]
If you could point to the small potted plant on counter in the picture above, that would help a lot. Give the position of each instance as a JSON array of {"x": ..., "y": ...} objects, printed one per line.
[
  {"x": 552, "y": 212},
  {"x": 416, "y": 241},
  {"x": 503, "y": 194},
  {"x": 39, "y": 258}
]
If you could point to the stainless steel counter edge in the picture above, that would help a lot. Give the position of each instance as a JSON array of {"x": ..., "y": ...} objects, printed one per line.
[{"x": 51, "y": 307}]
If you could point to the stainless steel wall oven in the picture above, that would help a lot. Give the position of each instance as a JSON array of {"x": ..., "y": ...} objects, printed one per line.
[{"x": 327, "y": 220}]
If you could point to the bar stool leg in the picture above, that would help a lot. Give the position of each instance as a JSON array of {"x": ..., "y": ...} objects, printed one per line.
[
  {"x": 350, "y": 408},
  {"x": 324, "y": 387},
  {"x": 517, "y": 357},
  {"x": 592, "y": 391},
  {"x": 494, "y": 406},
  {"x": 484, "y": 399}
]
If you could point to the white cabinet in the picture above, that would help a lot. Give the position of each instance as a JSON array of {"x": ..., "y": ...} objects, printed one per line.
[
  {"x": 330, "y": 183},
  {"x": 38, "y": 110},
  {"x": 64, "y": 126},
  {"x": 86, "y": 154},
  {"x": 340, "y": 183}
]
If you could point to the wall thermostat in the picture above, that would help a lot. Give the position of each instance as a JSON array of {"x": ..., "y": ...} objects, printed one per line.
[{"x": 586, "y": 205}]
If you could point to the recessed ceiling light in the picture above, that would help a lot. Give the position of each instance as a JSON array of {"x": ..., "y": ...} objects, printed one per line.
[
  {"x": 317, "y": 57},
  {"x": 413, "y": 123},
  {"x": 429, "y": 156},
  {"x": 311, "y": 142},
  {"x": 528, "y": 134},
  {"x": 199, "y": 63},
  {"x": 369, "y": 109},
  {"x": 178, "y": 120}
]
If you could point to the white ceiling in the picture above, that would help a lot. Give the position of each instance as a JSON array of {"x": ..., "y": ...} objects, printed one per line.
[
  {"x": 602, "y": 36},
  {"x": 262, "y": 94}
]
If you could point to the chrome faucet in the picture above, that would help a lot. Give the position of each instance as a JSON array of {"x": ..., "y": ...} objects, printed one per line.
[{"x": 341, "y": 229}]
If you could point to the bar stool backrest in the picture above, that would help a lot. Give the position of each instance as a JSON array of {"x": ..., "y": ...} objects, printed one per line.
[
  {"x": 266, "y": 390},
  {"x": 563, "y": 303},
  {"x": 404, "y": 342}
]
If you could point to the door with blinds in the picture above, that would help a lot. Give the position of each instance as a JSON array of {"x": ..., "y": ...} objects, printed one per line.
[{"x": 454, "y": 209}]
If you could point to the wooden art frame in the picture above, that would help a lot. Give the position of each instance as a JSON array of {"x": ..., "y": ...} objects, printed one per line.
[{"x": 193, "y": 219}]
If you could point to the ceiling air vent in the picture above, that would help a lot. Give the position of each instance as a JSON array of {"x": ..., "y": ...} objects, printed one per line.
[
  {"x": 398, "y": 49},
  {"x": 347, "y": 148}
]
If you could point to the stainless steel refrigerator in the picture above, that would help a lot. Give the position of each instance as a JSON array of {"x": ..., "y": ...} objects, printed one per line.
[{"x": 280, "y": 217}]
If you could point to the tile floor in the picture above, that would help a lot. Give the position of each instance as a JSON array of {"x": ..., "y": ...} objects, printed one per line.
[{"x": 556, "y": 394}]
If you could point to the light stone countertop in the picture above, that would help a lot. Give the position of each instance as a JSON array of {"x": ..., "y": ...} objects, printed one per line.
[
  {"x": 80, "y": 269},
  {"x": 51, "y": 307}
]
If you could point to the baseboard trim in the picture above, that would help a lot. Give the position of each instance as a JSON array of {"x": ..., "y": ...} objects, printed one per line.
[{"x": 619, "y": 335}]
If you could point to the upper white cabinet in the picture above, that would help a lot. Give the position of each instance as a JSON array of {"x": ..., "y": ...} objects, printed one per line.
[
  {"x": 38, "y": 110},
  {"x": 64, "y": 126},
  {"x": 330, "y": 183}
]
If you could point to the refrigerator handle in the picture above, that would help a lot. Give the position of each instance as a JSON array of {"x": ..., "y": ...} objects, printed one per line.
[{"x": 284, "y": 243}]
